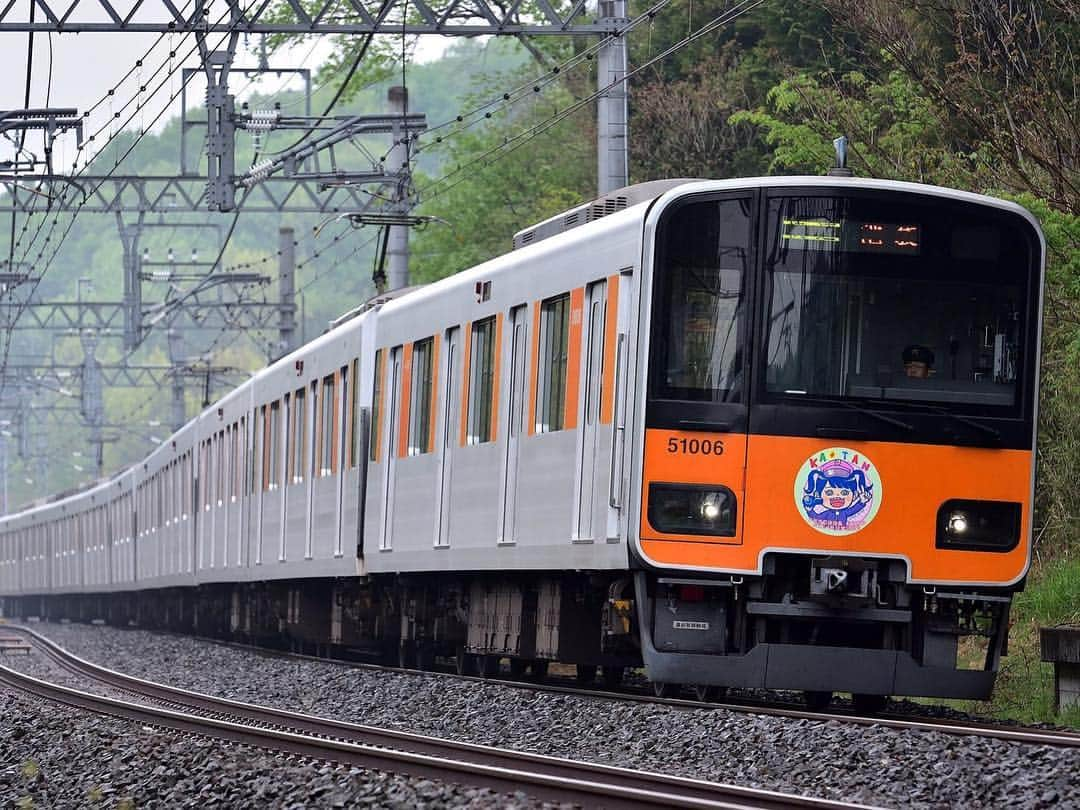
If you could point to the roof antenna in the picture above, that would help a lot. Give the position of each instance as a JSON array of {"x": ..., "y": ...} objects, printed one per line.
[{"x": 840, "y": 169}]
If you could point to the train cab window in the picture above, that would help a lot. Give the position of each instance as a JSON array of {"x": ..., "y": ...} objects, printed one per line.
[
  {"x": 703, "y": 260},
  {"x": 551, "y": 373},
  {"x": 420, "y": 405},
  {"x": 481, "y": 381},
  {"x": 894, "y": 300}
]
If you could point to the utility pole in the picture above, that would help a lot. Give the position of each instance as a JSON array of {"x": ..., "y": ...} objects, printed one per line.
[
  {"x": 397, "y": 162},
  {"x": 611, "y": 107},
  {"x": 176, "y": 359},
  {"x": 286, "y": 291}
]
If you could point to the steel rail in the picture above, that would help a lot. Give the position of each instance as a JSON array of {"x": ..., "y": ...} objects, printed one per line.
[
  {"x": 1022, "y": 734},
  {"x": 546, "y": 777}
]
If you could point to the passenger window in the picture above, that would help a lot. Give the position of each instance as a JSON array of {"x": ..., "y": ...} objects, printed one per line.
[
  {"x": 297, "y": 437},
  {"x": 481, "y": 381},
  {"x": 551, "y": 376},
  {"x": 327, "y": 460},
  {"x": 376, "y": 409},
  {"x": 420, "y": 399},
  {"x": 273, "y": 473}
]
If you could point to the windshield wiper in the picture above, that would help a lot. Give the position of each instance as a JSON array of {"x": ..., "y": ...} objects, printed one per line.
[
  {"x": 989, "y": 431},
  {"x": 863, "y": 409}
]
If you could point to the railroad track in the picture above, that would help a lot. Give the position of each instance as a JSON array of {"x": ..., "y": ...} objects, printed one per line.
[
  {"x": 547, "y": 778},
  {"x": 1024, "y": 734},
  {"x": 1021, "y": 734}
]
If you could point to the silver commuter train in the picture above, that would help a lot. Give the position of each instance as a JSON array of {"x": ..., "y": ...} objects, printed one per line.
[{"x": 532, "y": 459}]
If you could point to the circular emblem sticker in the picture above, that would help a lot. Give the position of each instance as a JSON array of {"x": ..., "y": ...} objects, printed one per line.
[{"x": 838, "y": 491}]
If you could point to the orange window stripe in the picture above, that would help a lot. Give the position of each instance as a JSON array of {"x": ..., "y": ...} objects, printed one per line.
[
  {"x": 406, "y": 393},
  {"x": 349, "y": 372},
  {"x": 573, "y": 359},
  {"x": 495, "y": 378},
  {"x": 607, "y": 390},
  {"x": 465, "y": 384},
  {"x": 533, "y": 368},
  {"x": 384, "y": 374},
  {"x": 335, "y": 433},
  {"x": 434, "y": 394}
]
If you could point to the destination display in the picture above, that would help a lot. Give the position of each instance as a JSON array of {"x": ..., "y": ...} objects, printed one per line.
[{"x": 851, "y": 236}]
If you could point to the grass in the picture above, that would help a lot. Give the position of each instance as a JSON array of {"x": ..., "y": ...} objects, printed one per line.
[{"x": 1025, "y": 685}]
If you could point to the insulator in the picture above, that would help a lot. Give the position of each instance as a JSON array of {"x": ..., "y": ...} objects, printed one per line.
[{"x": 257, "y": 173}]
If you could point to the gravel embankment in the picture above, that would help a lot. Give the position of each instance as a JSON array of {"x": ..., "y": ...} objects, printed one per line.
[
  {"x": 55, "y": 757},
  {"x": 832, "y": 759}
]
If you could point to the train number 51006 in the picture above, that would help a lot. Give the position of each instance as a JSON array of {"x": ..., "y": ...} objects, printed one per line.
[{"x": 699, "y": 447}]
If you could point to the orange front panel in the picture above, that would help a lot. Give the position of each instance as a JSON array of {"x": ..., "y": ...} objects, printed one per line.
[
  {"x": 910, "y": 482},
  {"x": 684, "y": 457}
]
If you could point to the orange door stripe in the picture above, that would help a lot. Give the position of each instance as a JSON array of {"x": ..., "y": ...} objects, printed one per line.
[
  {"x": 406, "y": 393},
  {"x": 334, "y": 432},
  {"x": 607, "y": 392},
  {"x": 573, "y": 359},
  {"x": 465, "y": 384},
  {"x": 533, "y": 368},
  {"x": 497, "y": 351}
]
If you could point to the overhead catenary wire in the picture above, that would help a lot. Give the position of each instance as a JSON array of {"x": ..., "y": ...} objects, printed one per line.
[{"x": 511, "y": 143}]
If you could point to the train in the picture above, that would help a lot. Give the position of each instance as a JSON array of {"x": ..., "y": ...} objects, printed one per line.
[{"x": 762, "y": 433}]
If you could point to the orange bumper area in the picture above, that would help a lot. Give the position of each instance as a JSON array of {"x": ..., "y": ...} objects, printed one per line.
[{"x": 884, "y": 502}]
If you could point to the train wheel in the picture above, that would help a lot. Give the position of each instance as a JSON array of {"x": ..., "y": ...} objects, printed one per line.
[
  {"x": 869, "y": 704},
  {"x": 464, "y": 663},
  {"x": 538, "y": 669},
  {"x": 586, "y": 674},
  {"x": 518, "y": 667},
  {"x": 489, "y": 665},
  {"x": 817, "y": 701},
  {"x": 612, "y": 676},
  {"x": 707, "y": 693},
  {"x": 666, "y": 690}
]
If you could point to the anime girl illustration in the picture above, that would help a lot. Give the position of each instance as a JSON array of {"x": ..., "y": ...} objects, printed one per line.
[{"x": 837, "y": 497}]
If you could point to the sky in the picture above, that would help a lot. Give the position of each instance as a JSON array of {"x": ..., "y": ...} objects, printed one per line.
[{"x": 85, "y": 66}]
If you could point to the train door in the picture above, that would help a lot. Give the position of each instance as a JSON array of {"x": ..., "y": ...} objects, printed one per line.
[
  {"x": 585, "y": 527},
  {"x": 450, "y": 415},
  {"x": 514, "y": 422},
  {"x": 393, "y": 430}
]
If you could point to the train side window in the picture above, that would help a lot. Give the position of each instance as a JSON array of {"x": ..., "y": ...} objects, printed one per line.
[
  {"x": 420, "y": 401},
  {"x": 273, "y": 480},
  {"x": 481, "y": 381},
  {"x": 376, "y": 409},
  {"x": 297, "y": 437},
  {"x": 551, "y": 377},
  {"x": 327, "y": 423}
]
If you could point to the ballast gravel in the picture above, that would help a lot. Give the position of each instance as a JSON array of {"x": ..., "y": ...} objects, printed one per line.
[
  {"x": 55, "y": 757},
  {"x": 829, "y": 759}
]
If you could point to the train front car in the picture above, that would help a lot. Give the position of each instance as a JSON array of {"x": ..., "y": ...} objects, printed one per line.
[{"x": 839, "y": 405}]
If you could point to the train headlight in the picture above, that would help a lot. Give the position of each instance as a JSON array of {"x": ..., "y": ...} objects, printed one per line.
[
  {"x": 978, "y": 525},
  {"x": 692, "y": 509}
]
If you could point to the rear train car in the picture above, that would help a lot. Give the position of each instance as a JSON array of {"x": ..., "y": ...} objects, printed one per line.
[{"x": 763, "y": 433}]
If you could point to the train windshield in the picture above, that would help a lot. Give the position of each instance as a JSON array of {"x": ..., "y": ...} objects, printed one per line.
[
  {"x": 703, "y": 272},
  {"x": 898, "y": 301}
]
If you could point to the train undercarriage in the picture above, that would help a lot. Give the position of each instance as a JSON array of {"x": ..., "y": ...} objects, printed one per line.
[{"x": 818, "y": 625}]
